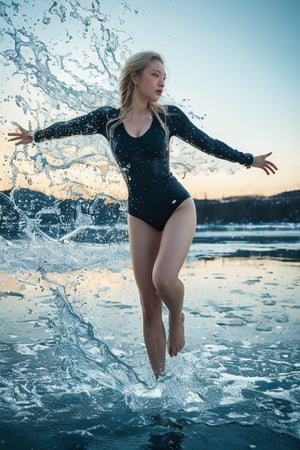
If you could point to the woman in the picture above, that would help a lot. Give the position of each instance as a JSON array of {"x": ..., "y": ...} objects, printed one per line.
[{"x": 161, "y": 213}]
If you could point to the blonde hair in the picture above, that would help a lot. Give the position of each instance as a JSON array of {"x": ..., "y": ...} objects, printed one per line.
[{"x": 137, "y": 63}]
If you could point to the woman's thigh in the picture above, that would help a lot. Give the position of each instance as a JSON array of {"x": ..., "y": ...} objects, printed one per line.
[
  {"x": 144, "y": 246},
  {"x": 175, "y": 241}
]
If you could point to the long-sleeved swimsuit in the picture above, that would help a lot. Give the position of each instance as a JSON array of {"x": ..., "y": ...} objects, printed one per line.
[{"x": 153, "y": 191}]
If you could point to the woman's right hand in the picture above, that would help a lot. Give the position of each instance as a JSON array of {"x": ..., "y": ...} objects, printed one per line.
[{"x": 21, "y": 137}]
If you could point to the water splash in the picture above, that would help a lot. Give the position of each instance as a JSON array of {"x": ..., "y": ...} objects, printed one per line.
[{"x": 60, "y": 61}]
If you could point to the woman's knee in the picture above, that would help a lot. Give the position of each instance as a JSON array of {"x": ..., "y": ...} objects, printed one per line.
[
  {"x": 162, "y": 282},
  {"x": 151, "y": 304},
  {"x": 152, "y": 312}
]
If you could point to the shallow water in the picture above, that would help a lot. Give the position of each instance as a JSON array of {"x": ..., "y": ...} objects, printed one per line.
[{"x": 74, "y": 370}]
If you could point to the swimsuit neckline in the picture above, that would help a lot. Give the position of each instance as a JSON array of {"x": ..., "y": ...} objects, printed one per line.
[{"x": 142, "y": 135}]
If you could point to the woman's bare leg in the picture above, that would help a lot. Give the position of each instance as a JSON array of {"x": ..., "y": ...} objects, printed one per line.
[
  {"x": 144, "y": 246},
  {"x": 174, "y": 246},
  {"x": 157, "y": 258}
]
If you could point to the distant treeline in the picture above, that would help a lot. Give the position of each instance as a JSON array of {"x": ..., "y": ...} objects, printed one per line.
[
  {"x": 57, "y": 217},
  {"x": 284, "y": 207}
]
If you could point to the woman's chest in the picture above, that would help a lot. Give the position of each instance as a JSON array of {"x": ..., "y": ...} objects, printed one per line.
[{"x": 151, "y": 145}]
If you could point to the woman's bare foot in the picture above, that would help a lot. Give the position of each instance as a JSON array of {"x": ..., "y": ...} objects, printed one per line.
[{"x": 176, "y": 334}]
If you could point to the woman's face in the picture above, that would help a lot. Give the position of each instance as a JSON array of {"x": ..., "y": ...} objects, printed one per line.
[{"x": 150, "y": 83}]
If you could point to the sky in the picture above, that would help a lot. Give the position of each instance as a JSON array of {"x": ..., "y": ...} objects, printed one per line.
[{"x": 238, "y": 63}]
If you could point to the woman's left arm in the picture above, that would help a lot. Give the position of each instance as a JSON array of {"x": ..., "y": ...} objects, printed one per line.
[{"x": 182, "y": 127}]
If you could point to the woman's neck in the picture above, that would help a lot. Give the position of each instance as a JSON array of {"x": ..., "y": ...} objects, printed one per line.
[
  {"x": 139, "y": 113},
  {"x": 140, "y": 106}
]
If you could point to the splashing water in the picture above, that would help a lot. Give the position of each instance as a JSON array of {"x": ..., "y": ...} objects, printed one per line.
[{"x": 59, "y": 61}]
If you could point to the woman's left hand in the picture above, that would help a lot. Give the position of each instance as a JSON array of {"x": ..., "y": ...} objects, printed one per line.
[{"x": 262, "y": 162}]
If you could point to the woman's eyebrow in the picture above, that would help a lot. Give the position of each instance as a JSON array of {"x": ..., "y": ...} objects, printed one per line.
[{"x": 159, "y": 71}]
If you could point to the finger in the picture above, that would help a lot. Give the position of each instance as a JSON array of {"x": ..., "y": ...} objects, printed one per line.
[
  {"x": 265, "y": 170},
  {"x": 266, "y": 155},
  {"x": 272, "y": 167},
  {"x": 14, "y": 139},
  {"x": 14, "y": 134},
  {"x": 270, "y": 163},
  {"x": 19, "y": 141},
  {"x": 21, "y": 128},
  {"x": 269, "y": 169}
]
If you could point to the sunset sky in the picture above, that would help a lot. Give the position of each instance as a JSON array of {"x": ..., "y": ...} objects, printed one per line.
[{"x": 235, "y": 61}]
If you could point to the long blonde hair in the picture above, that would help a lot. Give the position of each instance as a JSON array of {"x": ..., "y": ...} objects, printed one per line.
[{"x": 137, "y": 63}]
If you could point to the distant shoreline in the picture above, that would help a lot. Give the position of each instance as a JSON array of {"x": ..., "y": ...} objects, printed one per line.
[
  {"x": 283, "y": 207},
  {"x": 290, "y": 193},
  {"x": 58, "y": 218}
]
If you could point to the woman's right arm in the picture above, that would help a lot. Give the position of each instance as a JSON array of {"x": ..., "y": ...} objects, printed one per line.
[{"x": 91, "y": 123}]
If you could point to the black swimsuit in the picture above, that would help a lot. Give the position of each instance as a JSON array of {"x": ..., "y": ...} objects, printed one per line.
[{"x": 153, "y": 192}]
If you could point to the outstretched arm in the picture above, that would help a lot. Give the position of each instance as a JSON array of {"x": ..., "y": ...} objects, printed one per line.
[
  {"x": 261, "y": 162},
  {"x": 92, "y": 123},
  {"x": 21, "y": 137},
  {"x": 182, "y": 127}
]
